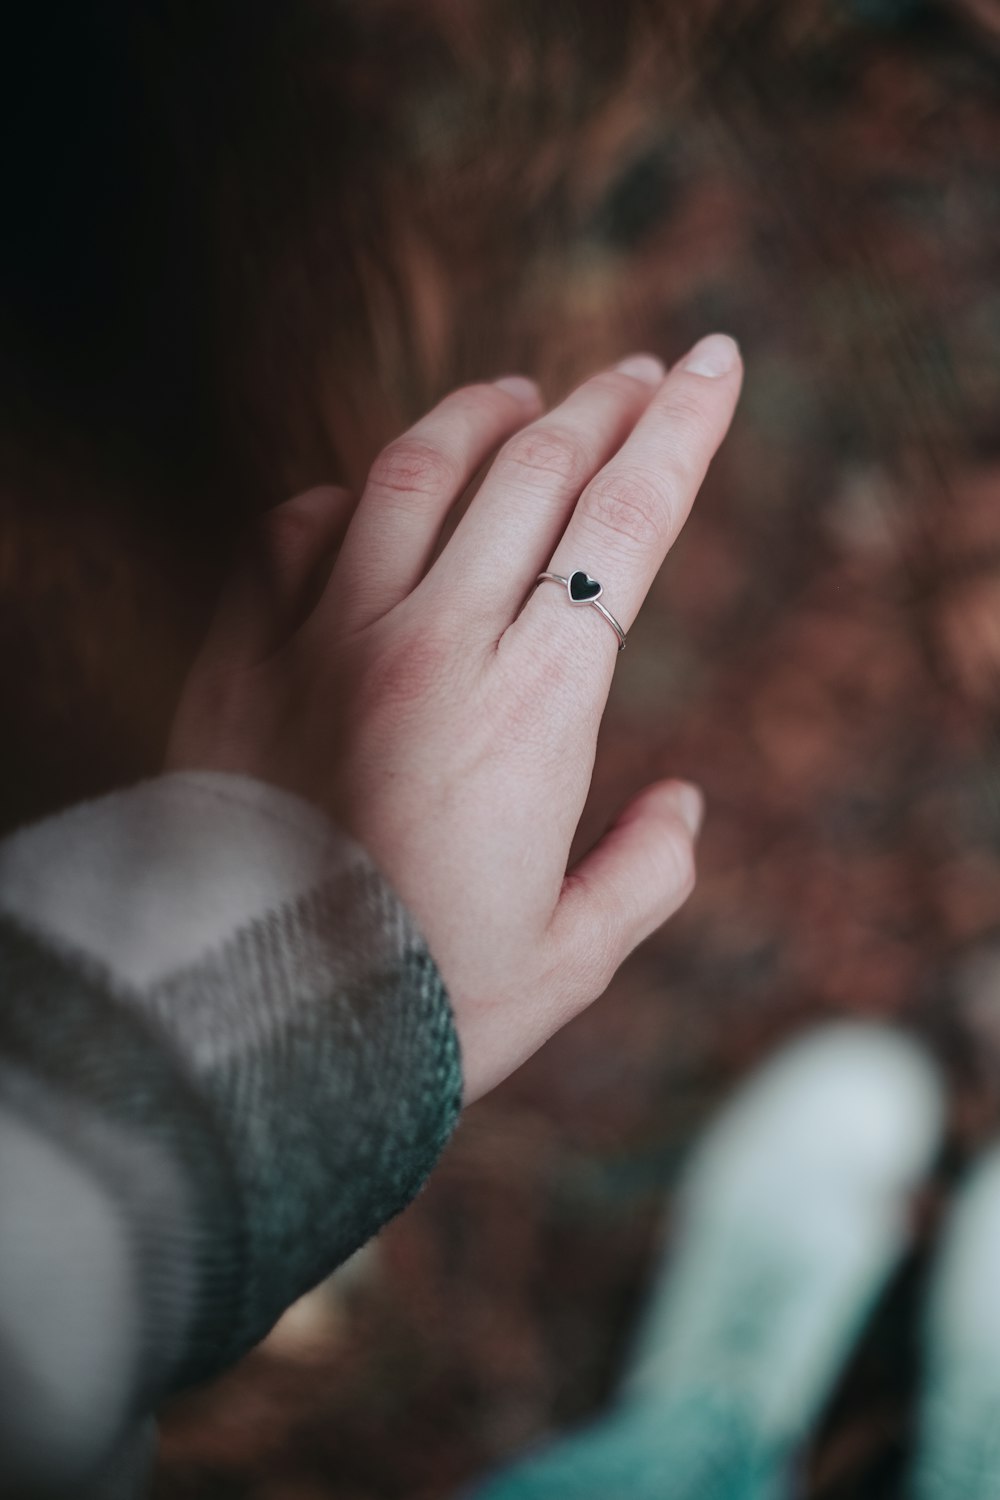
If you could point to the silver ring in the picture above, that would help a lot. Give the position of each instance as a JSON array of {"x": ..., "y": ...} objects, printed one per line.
[{"x": 582, "y": 589}]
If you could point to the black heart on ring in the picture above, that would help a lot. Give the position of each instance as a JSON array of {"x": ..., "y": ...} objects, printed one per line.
[{"x": 583, "y": 588}]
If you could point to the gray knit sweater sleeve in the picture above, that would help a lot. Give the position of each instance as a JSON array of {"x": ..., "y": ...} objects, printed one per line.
[{"x": 226, "y": 1059}]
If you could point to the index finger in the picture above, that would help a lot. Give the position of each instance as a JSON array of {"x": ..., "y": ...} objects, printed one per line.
[{"x": 630, "y": 513}]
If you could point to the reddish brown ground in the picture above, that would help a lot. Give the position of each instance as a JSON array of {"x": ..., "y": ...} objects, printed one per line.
[{"x": 543, "y": 188}]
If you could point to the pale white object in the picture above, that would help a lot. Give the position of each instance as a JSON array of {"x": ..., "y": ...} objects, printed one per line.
[
  {"x": 793, "y": 1213},
  {"x": 146, "y": 880},
  {"x": 58, "y": 1308}
]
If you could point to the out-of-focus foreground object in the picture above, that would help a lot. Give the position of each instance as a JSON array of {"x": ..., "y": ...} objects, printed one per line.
[{"x": 793, "y": 1213}]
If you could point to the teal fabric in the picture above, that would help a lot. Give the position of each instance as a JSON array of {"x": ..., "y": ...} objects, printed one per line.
[
  {"x": 958, "y": 1454},
  {"x": 791, "y": 1216},
  {"x": 700, "y": 1447}
]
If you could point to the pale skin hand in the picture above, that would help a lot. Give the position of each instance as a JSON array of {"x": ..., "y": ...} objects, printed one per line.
[{"x": 451, "y": 730}]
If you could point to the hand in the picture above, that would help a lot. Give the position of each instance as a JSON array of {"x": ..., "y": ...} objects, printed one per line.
[{"x": 444, "y": 712}]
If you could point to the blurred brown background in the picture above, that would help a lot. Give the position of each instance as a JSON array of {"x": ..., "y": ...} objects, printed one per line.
[{"x": 247, "y": 244}]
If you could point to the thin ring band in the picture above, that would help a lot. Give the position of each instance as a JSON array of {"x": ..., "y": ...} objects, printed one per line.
[{"x": 580, "y": 589}]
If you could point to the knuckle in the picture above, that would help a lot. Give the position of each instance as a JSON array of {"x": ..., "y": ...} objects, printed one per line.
[
  {"x": 543, "y": 450},
  {"x": 631, "y": 504},
  {"x": 689, "y": 434},
  {"x": 536, "y": 676},
  {"x": 412, "y": 467},
  {"x": 682, "y": 407},
  {"x": 408, "y": 673}
]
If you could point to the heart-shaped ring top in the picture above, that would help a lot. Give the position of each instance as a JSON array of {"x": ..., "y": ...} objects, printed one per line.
[{"x": 582, "y": 588}]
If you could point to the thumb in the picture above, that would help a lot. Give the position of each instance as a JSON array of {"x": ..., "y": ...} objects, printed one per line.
[{"x": 638, "y": 875}]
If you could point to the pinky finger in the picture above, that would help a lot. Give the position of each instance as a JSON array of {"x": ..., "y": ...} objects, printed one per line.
[{"x": 282, "y": 569}]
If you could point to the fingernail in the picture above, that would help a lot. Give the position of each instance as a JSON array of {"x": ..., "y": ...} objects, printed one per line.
[
  {"x": 644, "y": 367},
  {"x": 713, "y": 356},
  {"x": 691, "y": 806},
  {"x": 521, "y": 388}
]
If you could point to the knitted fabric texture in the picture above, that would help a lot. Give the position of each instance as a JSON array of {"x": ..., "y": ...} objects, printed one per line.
[{"x": 253, "y": 1116}]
